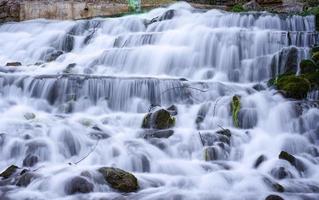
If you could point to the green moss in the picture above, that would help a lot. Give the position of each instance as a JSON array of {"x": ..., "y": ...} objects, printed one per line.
[
  {"x": 313, "y": 78},
  {"x": 315, "y": 57},
  {"x": 313, "y": 11},
  {"x": 235, "y": 108},
  {"x": 295, "y": 87},
  {"x": 238, "y": 8},
  {"x": 307, "y": 66}
]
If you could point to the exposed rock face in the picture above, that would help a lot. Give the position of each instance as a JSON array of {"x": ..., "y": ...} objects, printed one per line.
[{"x": 19, "y": 10}]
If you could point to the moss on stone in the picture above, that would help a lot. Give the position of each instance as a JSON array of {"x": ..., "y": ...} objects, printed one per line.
[
  {"x": 295, "y": 87},
  {"x": 315, "y": 57},
  {"x": 235, "y": 108},
  {"x": 307, "y": 66},
  {"x": 313, "y": 78}
]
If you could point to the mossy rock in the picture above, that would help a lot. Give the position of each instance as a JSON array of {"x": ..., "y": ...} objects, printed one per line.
[
  {"x": 295, "y": 87},
  {"x": 315, "y": 57},
  {"x": 119, "y": 179},
  {"x": 235, "y": 108},
  {"x": 160, "y": 119},
  {"x": 307, "y": 66},
  {"x": 313, "y": 78},
  {"x": 9, "y": 171}
]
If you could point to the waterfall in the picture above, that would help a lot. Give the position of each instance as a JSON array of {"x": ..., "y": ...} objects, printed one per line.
[{"x": 84, "y": 86}]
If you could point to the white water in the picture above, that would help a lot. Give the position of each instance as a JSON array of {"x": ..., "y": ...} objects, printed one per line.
[{"x": 124, "y": 68}]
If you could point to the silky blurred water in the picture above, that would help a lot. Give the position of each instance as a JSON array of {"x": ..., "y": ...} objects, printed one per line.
[{"x": 109, "y": 73}]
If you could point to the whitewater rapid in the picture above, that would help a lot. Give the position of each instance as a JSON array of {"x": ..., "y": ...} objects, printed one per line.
[{"x": 108, "y": 73}]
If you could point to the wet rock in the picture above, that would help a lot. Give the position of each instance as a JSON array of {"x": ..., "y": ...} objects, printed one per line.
[
  {"x": 69, "y": 68},
  {"x": 288, "y": 157},
  {"x": 166, "y": 16},
  {"x": 29, "y": 116},
  {"x": 292, "y": 160},
  {"x": 252, "y": 5},
  {"x": 119, "y": 179},
  {"x": 202, "y": 112},
  {"x": 291, "y": 60},
  {"x": 9, "y": 171},
  {"x": 158, "y": 134},
  {"x": 281, "y": 173},
  {"x": 259, "y": 87},
  {"x": 26, "y": 178},
  {"x": 259, "y": 160},
  {"x": 274, "y": 197},
  {"x": 52, "y": 56},
  {"x": 210, "y": 153},
  {"x": 172, "y": 110},
  {"x": 13, "y": 64},
  {"x": 30, "y": 160},
  {"x": 275, "y": 186},
  {"x": 225, "y": 132},
  {"x": 79, "y": 184},
  {"x": 160, "y": 119}
]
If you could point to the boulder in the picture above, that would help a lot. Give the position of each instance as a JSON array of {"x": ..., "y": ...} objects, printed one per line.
[
  {"x": 79, "y": 184},
  {"x": 9, "y": 171},
  {"x": 26, "y": 178},
  {"x": 53, "y": 55},
  {"x": 295, "y": 87},
  {"x": 273, "y": 197},
  {"x": 119, "y": 179},
  {"x": 315, "y": 57},
  {"x": 292, "y": 160},
  {"x": 13, "y": 64},
  {"x": 160, "y": 119}
]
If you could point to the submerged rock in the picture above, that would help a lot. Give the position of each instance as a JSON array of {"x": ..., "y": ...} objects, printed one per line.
[
  {"x": 158, "y": 134},
  {"x": 292, "y": 160},
  {"x": 166, "y": 16},
  {"x": 30, "y": 160},
  {"x": 9, "y": 171},
  {"x": 274, "y": 197},
  {"x": 26, "y": 178},
  {"x": 79, "y": 184},
  {"x": 259, "y": 160},
  {"x": 119, "y": 179},
  {"x": 160, "y": 119},
  {"x": 13, "y": 64},
  {"x": 29, "y": 116}
]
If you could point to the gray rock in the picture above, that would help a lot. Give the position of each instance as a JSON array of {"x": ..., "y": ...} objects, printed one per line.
[{"x": 79, "y": 184}]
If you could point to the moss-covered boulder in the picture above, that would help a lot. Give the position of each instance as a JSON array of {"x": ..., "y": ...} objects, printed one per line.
[
  {"x": 307, "y": 66},
  {"x": 295, "y": 87},
  {"x": 313, "y": 78},
  {"x": 119, "y": 179},
  {"x": 160, "y": 119},
  {"x": 9, "y": 171}
]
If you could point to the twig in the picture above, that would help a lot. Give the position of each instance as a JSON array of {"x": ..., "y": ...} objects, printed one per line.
[
  {"x": 87, "y": 155},
  {"x": 221, "y": 127}
]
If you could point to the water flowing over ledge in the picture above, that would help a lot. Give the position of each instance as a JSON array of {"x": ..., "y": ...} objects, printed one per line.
[{"x": 76, "y": 96}]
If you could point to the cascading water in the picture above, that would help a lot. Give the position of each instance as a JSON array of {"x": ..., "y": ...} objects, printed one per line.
[{"x": 87, "y": 84}]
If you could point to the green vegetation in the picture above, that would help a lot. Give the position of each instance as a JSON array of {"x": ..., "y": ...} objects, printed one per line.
[
  {"x": 238, "y": 8},
  {"x": 313, "y": 11},
  {"x": 235, "y": 108},
  {"x": 297, "y": 87}
]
